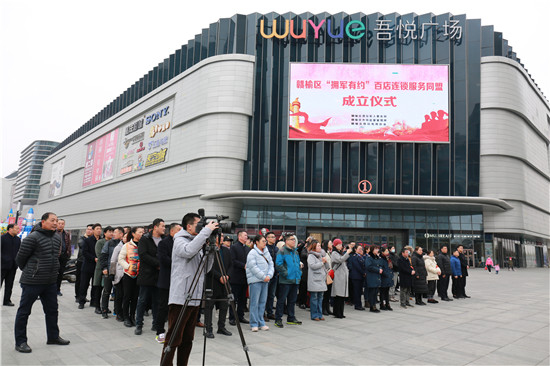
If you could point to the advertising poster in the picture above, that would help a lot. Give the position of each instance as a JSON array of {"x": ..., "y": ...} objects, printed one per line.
[
  {"x": 358, "y": 102},
  {"x": 146, "y": 140},
  {"x": 100, "y": 158},
  {"x": 56, "y": 179}
]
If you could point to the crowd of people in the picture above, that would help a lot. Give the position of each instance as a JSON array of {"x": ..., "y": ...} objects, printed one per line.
[{"x": 151, "y": 269}]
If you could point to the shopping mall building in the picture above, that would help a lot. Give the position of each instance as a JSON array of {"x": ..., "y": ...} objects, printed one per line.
[{"x": 382, "y": 129}]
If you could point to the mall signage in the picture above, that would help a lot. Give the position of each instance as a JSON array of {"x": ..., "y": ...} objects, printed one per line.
[
  {"x": 367, "y": 102},
  {"x": 355, "y": 29}
]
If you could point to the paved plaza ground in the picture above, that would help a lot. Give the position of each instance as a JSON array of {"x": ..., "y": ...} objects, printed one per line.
[{"x": 506, "y": 322}]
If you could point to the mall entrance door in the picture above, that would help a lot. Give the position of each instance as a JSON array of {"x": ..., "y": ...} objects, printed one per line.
[{"x": 363, "y": 236}]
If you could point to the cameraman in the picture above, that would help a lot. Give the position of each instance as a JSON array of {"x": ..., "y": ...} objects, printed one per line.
[{"x": 186, "y": 258}]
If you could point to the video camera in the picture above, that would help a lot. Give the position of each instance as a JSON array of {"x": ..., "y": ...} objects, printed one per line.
[{"x": 227, "y": 227}]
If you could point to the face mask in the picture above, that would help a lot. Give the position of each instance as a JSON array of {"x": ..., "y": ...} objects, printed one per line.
[{"x": 393, "y": 250}]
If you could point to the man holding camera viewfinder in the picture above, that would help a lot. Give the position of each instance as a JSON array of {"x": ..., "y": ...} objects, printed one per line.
[{"x": 186, "y": 258}]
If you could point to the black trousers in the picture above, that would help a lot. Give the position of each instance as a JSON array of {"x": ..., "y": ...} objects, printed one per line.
[
  {"x": 326, "y": 299},
  {"x": 129, "y": 301},
  {"x": 384, "y": 296},
  {"x": 8, "y": 275},
  {"x": 209, "y": 309},
  {"x": 119, "y": 296},
  {"x": 458, "y": 286},
  {"x": 442, "y": 286},
  {"x": 107, "y": 289},
  {"x": 48, "y": 297},
  {"x": 339, "y": 303},
  {"x": 431, "y": 288},
  {"x": 62, "y": 264},
  {"x": 163, "y": 294},
  {"x": 357, "y": 286},
  {"x": 78, "y": 279},
  {"x": 372, "y": 292},
  {"x": 85, "y": 278},
  {"x": 239, "y": 291}
]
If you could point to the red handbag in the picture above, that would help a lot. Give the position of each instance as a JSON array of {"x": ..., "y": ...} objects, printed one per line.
[{"x": 331, "y": 273}]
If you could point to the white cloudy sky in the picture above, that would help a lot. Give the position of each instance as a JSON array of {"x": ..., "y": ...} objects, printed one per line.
[{"x": 63, "y": 61}]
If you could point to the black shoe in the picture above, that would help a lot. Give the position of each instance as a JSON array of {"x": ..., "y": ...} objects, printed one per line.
[
  {"x": 271, "y": 316},
  {"x": 421, "y": 303},
  {"x": 81, "y": 306},
  {"x": 403, "y": 306},
  {"x": 446, "y": 299},
  {"x": 433, "y": 301},
  {"x": 325, "y": 313},
  {"x": 224, "y": 332},
  {"x": 466, "y": 296},
  {"x": 279, "y": 323},
  {"x": 209, "y": 335},
  {"x": 60, "y": 341},
  {"x": 232, "y": 322},
  {"x": 119, "y": 319},
  {"x": 9, "y": 303},
  {"x": 293, "y": 322},
  {"x": 302, "y": 306},
  {"x": 23, "y": 348},
  {"x": 374, "y": 309},
  {"x": 128, "y": 323},
  {"x": 244, "y": 321},
  {"x": 98, "y": 311},
  {"x": 360, "y": 309},
  {"x": 104, "y": 315},
  {"x": 139, "y": 330},
  {"x": 389, "y": 308},
  {"x": 409, "y": 305}
]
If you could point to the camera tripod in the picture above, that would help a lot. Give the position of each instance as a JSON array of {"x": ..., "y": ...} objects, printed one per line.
[{"x": 201, "y": 271}]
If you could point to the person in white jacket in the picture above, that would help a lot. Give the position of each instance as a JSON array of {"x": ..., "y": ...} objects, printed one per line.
[
  {"x": 259, "y": 271},
  {"x": 433, "y": 275}
]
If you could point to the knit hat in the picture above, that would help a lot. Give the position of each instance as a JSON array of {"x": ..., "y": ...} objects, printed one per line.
[{"x": 336, "y": 242}]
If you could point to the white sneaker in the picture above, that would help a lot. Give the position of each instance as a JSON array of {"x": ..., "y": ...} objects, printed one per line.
[
  {"x": 254, "y": 329},
  {"x": 161, "y": 338},
  {"x": 265, "y": 327}
]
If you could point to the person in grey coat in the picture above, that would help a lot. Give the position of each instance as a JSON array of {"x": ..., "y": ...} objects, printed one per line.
[
  {"x": 317, "y": 278},
  {"x": 186, "y": 258},
  {"x": 341, "y": 276}
]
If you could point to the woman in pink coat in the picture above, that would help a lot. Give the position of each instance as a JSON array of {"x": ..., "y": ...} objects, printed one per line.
[{"x": 489, "y": 264}]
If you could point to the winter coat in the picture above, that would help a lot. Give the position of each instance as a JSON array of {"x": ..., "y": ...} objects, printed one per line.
[
  {"x": 67, "y": 236},
  {"x": 80, "y": 244},
  {"x": 357, "y": 269},
  {"x": 10, "y": 247},
  {"x": 317, "y": 272},
  {"x": 463, "y": 264},
  {"x": 373, "y": 265},
  {"x": 341, "y": 273},
  {"x": 455, "y": 266},
  {"x": 148, "y": 261},
  {"x": 98, "y": 276},
  {"x": 489, "y": 262},
  {"x": 259, "y": 265},
  {"x": 239, "y": 253},
  {"x": 405, "y": 269},
  {"x": 186, "y": 258},
  {"x": 288, "y": 265},
  {"x": 88, "y": 255},
  {"x": 107, "y": 253},
  {"x": 115, "y": 268},
  {"x": 420, "y": 283},
  {"x": 432, "y": 268},
  {"x": 213, "y": 277},
  {"x": 444, "y": 263},
  {"x": 273, "y": 250},
  {"x": 38, "y": 257},
  {"x": 387, "y": 274},
  {"x": 164, "y": 255}
]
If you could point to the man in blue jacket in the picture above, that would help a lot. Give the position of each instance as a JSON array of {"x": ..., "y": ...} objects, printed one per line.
[
  {"x": 357, "y": 274},
  {"x": 290, "y": 273},
  {"x": 458, "y": 288}
]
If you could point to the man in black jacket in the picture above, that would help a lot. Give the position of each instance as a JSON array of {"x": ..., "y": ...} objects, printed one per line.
[
  {"x": 237, "y": 276},
  {"x": 10, "y": 243},
  {"x": 463, "y": 267},
  {"x": 406, "y": 273},
  {"x": 444, "y": 263},
  {"x": 38, "y": 258},
  {"x": 216, "y": 282},
  {"x": 88, "y": 266},
  {"x": 65, "y": 252},
  {"x": 164, "y": 254},
  {"x": 148, "y": 273},
  {"x": 80, "y": 260},
  {"x": 272, "y": 288}
]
